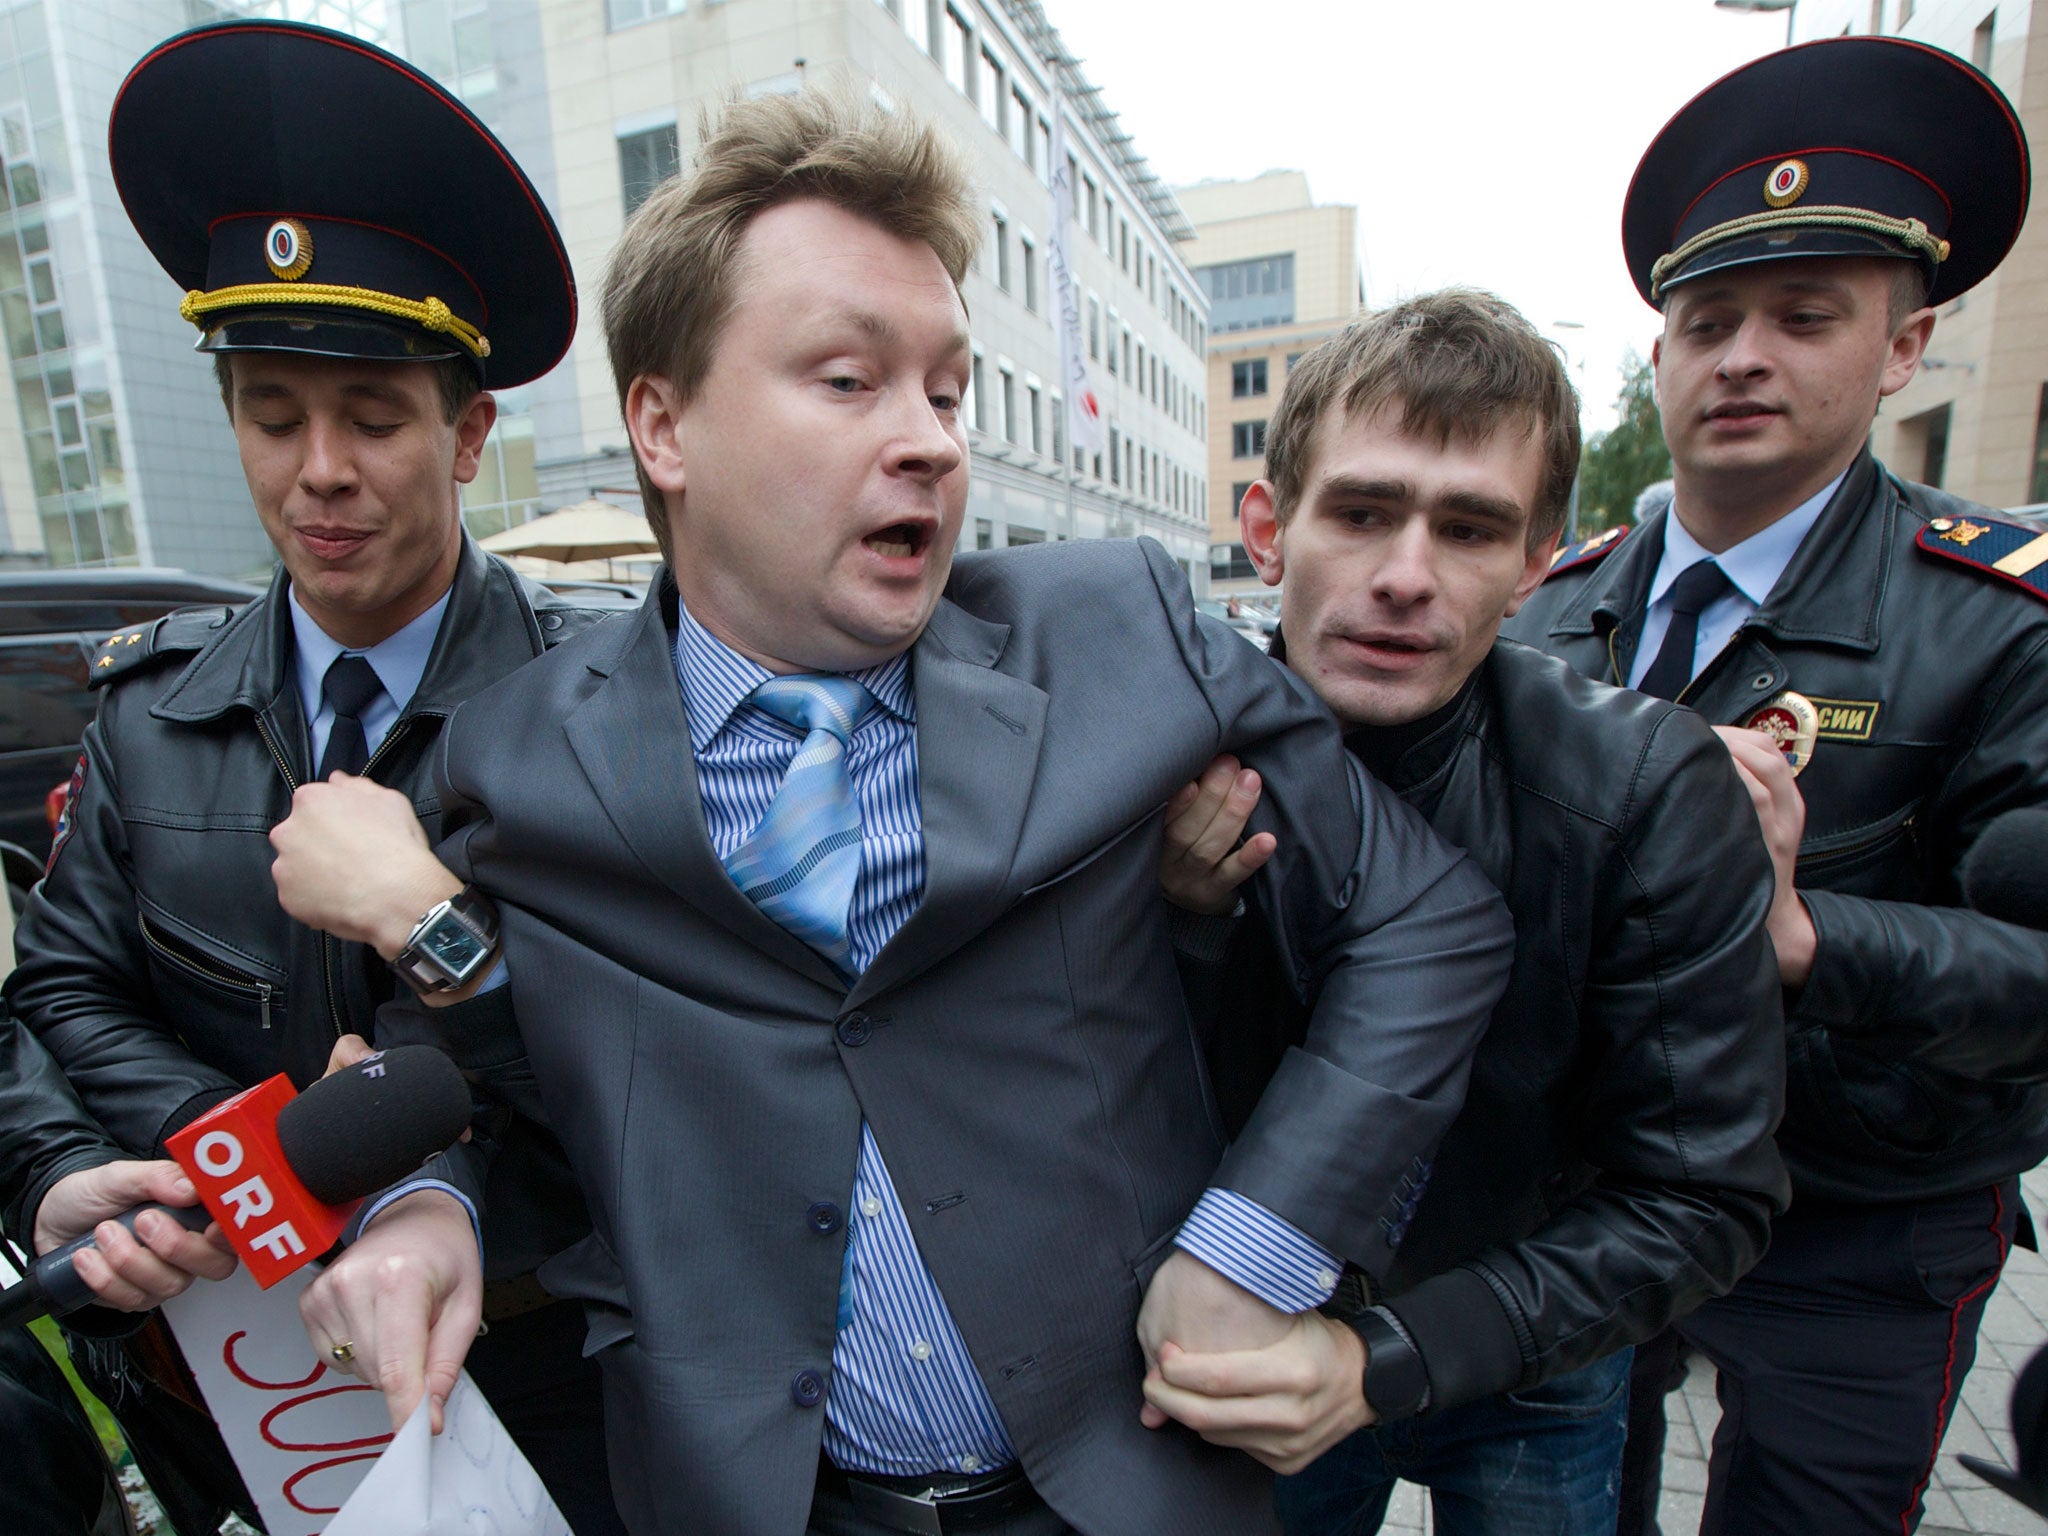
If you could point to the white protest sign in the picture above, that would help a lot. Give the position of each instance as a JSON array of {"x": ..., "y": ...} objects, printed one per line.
[
  {"x": 469, "y": 1480},
  {"x": 307, "y": 1438},
  {"x": 302, "y": 1434}
]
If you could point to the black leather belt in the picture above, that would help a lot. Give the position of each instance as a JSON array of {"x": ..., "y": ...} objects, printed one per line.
[{"x": 936, "y": 1503}]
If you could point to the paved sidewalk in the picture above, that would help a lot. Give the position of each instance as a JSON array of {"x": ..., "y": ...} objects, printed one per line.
[{"x": 2015, "y": 1325}]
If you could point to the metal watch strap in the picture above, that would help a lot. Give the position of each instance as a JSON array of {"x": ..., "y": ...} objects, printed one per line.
[
  {"x": 474, "y": 911},
  {"x": 1396, "y": 1383}
]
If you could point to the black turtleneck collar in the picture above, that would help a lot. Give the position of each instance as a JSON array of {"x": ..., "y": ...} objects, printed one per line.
[{"x": 1404, "y": 756}]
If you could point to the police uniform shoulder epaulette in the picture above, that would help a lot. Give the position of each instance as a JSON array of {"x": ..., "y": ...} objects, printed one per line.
[
  {"x": 129, "y": 651},
  {"x": 1586, "y": 551},
  {"x": 2012, "y": 552}
]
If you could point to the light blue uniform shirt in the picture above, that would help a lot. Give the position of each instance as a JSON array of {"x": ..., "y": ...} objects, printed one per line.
[
  {"x": 1752, "y": 567},
  {"x": 399, "y": 661}
]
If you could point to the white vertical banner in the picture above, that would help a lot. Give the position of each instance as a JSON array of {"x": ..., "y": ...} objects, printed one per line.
[{"x": 1084, "y": 410}]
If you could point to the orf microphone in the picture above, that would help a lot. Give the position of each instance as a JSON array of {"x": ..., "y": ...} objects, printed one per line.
[
  {"x": 2005, "y": 873},
  {"x": 283, "y": 1174}
]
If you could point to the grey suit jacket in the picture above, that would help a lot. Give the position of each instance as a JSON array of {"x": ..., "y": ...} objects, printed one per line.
[{"x": 1020, "y": 1046}]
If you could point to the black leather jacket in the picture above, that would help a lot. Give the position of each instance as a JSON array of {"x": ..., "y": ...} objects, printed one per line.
[
  {"x": 1613, "y": 1166},
  {"x": 155, "y": 962},
  {"x": 45, "y": 1132},
  {"x": 1917, "y": 1047}
]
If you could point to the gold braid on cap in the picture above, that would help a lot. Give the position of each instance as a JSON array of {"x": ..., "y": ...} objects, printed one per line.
[
  {"x": 1915, "y": 236},
  {"x": 429, "y": 313}
]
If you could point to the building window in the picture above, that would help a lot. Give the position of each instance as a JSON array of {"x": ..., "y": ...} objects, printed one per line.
[
  {"x": 1094, "y": 223},
  {"x": 1018, "y": 537},
  {"x": 646, "y": 160},
  {"x": 988, "y": 90},
  {"x": 1229, "y": 562},
  {"x": 1029, "y": 254},
  {"x": 1009, "y": 405},
  {"x": 1094, "y": 328},
  {"x": 1925, "y": 438},
  {"x": 1248, "y": 379},
  {"x": 626, "y": 13},
  {"x": 1247, "y": 439},
  {"x": 1037, "y": 419},
  {"x": 1041, "y": 152},
  {"x": 1123, "y": 247},
  {"x": 2039, "y": 492},
  {"x": 1237, "y": 491},
  {"x": 1981, "y": 40},
  {"x": 917, "y": 24},
  {"x": 1019, "y": 124},
  {"x": 954, "y": 41},
  {"x": 977, "y": 397},
  {"x": 1116, "y": 467},
  {"x": 1247, "y": 294},
  {"x": 1058, "y": 406},
  {"x": 999, "y": 248},
  {"x": 984, "y": 534}
]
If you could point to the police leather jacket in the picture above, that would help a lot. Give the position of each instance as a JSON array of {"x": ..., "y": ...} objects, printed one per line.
[
  {"x": 1916, "y": 1049},
  {"x": 1613, "y": 1166},
  {"x": 155, "y": 962},
  {"x": 45, "y": 1132}
]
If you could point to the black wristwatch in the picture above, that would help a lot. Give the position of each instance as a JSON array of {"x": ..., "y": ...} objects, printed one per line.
[
  {"x": 451, "y": 944},
  {"x": 1396, "y": 1384}
]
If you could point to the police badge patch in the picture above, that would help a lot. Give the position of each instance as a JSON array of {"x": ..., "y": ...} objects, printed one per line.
[
  {"x": 67, "y": 813},
  {"x": 1793, "y": 723}
]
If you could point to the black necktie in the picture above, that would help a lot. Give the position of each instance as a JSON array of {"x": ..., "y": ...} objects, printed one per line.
[
  {"x": 350, "y": 686},
  {"x": 1696, "y": 588}
]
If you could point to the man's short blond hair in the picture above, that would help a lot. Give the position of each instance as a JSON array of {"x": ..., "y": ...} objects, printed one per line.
[
  {"x": 674, "y": 276},
  {"x": 1457, "y": 364}
]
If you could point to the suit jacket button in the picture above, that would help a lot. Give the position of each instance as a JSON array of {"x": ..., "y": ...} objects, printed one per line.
[
  {"x": 855, "y": 1029},
  {"x": 807, "y": 1390},
  {"x": 824, "y": 1217}
]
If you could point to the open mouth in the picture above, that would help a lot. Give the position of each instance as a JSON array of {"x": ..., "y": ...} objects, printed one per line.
[{"x": 900, "y": 541}]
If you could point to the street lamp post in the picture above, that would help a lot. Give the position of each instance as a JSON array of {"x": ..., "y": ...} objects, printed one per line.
[{"x": 1789, "y": 7}]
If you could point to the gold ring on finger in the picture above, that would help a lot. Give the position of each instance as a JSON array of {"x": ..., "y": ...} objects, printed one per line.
[{"x": 343, "y": 1352}]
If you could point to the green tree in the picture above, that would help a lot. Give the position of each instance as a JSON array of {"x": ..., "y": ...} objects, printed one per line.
[{"x": 1620, "y": 462}]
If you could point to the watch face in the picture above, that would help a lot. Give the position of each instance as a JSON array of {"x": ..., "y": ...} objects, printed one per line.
[{"x": 451, "y": 946}]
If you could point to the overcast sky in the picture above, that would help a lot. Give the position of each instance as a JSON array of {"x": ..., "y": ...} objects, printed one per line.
[{"x": 1483, "y": 141}]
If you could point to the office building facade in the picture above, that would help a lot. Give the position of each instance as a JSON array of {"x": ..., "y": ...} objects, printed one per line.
[{"x": 1280, "y": 272}]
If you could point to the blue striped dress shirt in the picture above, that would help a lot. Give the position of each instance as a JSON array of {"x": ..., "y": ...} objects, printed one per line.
[{"x": 905, "y": 1397}]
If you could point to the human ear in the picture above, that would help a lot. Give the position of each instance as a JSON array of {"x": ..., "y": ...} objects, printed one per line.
[
  {"x": 1262, "y": 531},
  {"x": 654, "y": 414}
]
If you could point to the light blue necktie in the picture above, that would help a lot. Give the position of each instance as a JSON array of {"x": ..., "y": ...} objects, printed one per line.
[{"x": 799, "y": 865}]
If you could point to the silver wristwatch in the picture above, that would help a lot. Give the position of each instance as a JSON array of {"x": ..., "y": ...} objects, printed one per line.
[{"x": 451, "y": 944}]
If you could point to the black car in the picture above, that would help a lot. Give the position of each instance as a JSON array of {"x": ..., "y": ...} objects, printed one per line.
[{"x": 51, "y": 625}]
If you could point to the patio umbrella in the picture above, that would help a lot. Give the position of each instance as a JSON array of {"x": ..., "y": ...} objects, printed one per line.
[{"x": 590, "y": 530}]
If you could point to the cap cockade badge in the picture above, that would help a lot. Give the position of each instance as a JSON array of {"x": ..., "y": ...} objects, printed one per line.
[
  {"x": 1786, "y": 184},
  {"x": 288, "y": 249}
]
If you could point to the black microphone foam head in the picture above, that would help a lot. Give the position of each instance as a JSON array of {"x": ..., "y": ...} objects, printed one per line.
[
  {"x": 368, "y": 1126},
  {"x": 2005, "y": 873}
]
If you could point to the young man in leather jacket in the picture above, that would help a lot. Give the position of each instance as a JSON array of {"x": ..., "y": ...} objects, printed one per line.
[{"x": 1613, "y": 1166}]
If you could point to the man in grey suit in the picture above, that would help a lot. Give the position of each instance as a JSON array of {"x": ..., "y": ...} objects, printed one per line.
[{"x": 828, "y": 902}]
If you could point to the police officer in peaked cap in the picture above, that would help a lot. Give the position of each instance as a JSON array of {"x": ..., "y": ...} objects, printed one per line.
[
  {"x": 364, "y": 261},
  {"x": 1876, "y": 653}
]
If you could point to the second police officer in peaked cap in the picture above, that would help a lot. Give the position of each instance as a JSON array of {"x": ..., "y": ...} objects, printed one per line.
[
  {"x": 1796, "y": 224},
  {"x": 363, "y": 259}
]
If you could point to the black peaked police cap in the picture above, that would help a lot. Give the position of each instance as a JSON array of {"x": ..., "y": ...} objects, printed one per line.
[
  {"x": 1852, "y": 146},
  {"x": 311, "y": 193}
]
